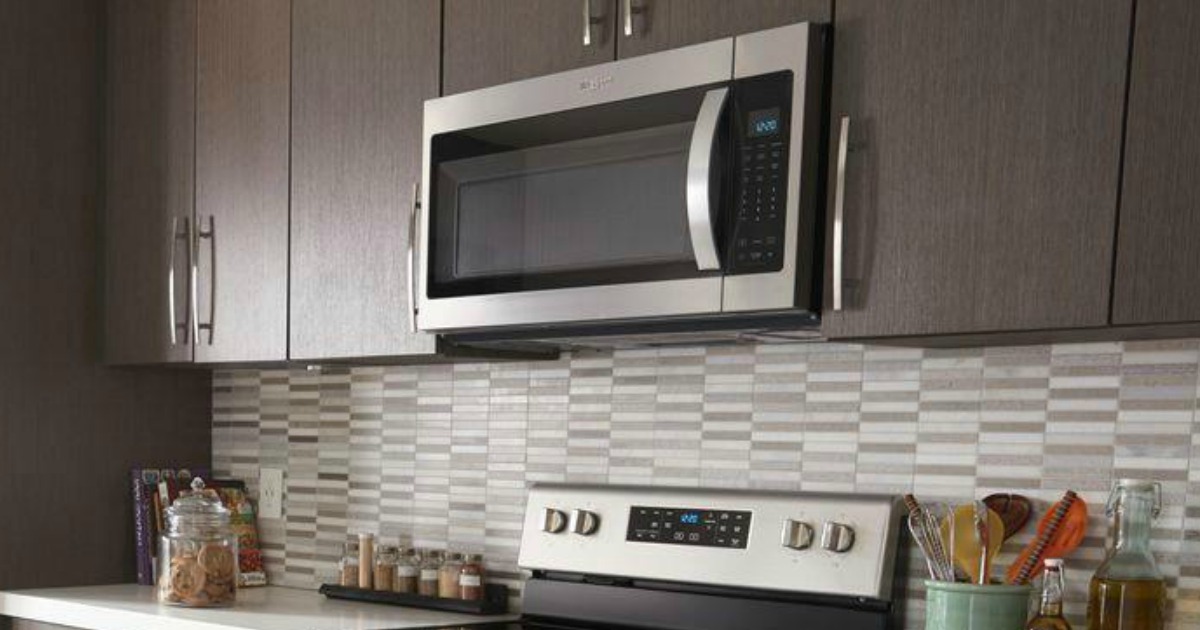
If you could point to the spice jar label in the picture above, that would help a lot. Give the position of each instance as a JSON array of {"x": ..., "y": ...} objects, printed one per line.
[
  {"x": 470, "y": 580},
  {"x": 429, "y": 575},
  {"x": 409, "y": 571}
]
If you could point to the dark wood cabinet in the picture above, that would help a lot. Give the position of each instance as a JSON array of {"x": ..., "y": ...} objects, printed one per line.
[
  {"x": 361, "y": 72},
  {"x": 148, "y": 172},
  {"x": 1158, "y": 243},
  {"x": 242, "y": 136},
  {"x": 489, "y": 42},
  {"x": 984, "y": 156},
  {"x": 646, "y": 26}
]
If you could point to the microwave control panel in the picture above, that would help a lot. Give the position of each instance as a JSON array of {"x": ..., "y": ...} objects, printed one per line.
[{"x": 761, "y": 127}]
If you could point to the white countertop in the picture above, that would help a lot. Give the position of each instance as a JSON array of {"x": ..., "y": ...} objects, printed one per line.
[{"x": 133, "y": 607}]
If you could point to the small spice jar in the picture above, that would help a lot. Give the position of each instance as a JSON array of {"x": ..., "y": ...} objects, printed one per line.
[
  {"x": 431, "y": 563},
  {"x": 449, "y": 574},
  {"x": 366, "y": 560},
  {"x": 470, "y": 578},
  {"x": 348, "y": 566},
  {"x": 408, "y": 570},
  {"x": 386, "y": 558},
  {"x": 198, "y": 553}
]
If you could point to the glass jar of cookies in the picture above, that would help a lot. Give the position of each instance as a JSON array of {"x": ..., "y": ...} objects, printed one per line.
[{"x": 198, "y": 552}]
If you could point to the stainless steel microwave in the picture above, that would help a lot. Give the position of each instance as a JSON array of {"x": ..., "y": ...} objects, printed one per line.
[{"x": 680, "y": 186}]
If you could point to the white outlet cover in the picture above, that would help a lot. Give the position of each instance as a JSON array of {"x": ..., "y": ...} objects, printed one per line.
[{"x": 270, "y": 493}]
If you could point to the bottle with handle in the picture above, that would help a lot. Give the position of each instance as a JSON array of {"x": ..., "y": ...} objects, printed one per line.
[
  {"x": 1128, "y": 592},
  {"x": 1050, "y": 611}
]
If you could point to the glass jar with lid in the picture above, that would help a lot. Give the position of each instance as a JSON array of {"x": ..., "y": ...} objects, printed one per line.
[
  {"x": 348, "y": 565},
  {"x": 1128, "y": 592},
  {"x": 386, "y": 559},
  {"x": 408, "y": 571},
  {"x": 198, "y": 552},
  {"x": 449, "y": 574},
  {"x": 431, "y": 564},
  {"x": 470, "y": 580}
]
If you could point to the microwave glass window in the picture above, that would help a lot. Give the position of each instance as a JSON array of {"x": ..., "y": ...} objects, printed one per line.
[
  {"x": 764, "y": 122},
  {"x": 578, "y": 198}
]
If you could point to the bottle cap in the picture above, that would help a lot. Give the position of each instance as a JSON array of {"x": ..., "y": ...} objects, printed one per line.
[{"x": 1056, "y": 563}]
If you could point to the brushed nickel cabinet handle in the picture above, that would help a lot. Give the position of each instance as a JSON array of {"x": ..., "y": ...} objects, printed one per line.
[
  {"x": 173, "y": 312},
  {"x": 630, "y": 11},
  {"x": 839, "y": 215},
  {"x": 588, "y": 21},
  {"x": 413, "y": 225},
  {"x": 210, "y": 235}
]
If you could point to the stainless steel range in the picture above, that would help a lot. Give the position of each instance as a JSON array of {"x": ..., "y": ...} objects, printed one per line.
[{"x": 692, "y": 559}]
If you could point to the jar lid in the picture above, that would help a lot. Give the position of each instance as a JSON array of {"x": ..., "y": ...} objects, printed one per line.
[
  {"x": 454, "y": 556},
  {"x": 388, "y": 549},
  {"x": 475, "y": 557},
  {"x": 199, "y": 507},
  {"x": 1054, "y": 563}
]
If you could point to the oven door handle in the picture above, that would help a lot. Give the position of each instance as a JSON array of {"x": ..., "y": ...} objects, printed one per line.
[{"x": 699, "y": 180}]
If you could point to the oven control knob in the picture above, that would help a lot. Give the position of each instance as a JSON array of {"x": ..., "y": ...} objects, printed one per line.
[
  {"x": 554, "y": 521},
  {"x": 837, "y": 537},
  {"x": 797, "y": 535},
  {"x": 584, "y": 523}
]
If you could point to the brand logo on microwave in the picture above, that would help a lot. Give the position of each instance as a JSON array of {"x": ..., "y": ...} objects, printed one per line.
[{"x": 595, "y": 83}]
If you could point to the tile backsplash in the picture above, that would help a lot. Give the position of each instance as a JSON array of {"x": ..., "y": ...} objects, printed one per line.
[{"x": 441, "y": 455}]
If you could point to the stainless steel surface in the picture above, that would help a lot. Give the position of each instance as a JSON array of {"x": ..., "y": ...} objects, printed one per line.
[
  {"x": 837, "y": 537},
  {"x": 774, "y": 50},
  {"x": 202, "y": 235},
  {"x": 632, "y": 78},
  {"x": 554, "y": 521},
  {"x": 584, "y": 523},
  {"x": 699, "y": 180},
  {"x": 176, "y": 236},
  {"x": 413, "y": 222},
  {"x": 863, "y": 569},
  {"x": 797, "y": 535},
  {"x": 839, "y": 215}
]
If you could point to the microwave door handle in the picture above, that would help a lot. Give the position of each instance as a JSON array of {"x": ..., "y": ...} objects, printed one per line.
[{"x": 699, "y": 180}]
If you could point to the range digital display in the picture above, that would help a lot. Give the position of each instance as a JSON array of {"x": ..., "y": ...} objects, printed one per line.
[
  {"x": 764, "y": 122},
  {"x": 702, "y": 527}
]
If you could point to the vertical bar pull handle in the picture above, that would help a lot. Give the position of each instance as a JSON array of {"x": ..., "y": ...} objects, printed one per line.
[
  {"x": 839, "y": 216},
  {"x": 628, "y": 11},
  {"x": 201, "y": 235},
  {"x": 699, "y": 180},
  {"x": 414, "y": 224},
  {"x": 172, "y": 311},
  {"x": 590, "y": 22}
]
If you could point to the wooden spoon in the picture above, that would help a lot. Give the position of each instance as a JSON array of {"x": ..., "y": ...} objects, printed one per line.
[{"x": 1013, "y": 509}]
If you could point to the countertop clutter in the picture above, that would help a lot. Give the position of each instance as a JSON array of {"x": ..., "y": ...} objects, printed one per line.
[{"x": 133, "y": 607}]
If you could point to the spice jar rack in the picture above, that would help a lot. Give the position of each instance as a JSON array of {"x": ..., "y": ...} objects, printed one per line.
[{"x": 494, "y": 602}]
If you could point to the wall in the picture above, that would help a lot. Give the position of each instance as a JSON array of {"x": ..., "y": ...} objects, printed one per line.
[
  {"x": 69, "y": 428},
  {"x": 441, "y": 455}
]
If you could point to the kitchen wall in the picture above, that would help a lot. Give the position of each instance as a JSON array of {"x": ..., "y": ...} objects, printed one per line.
[
  {"x": 69, "y": 428},
  {"x": 441, "y": 455}
]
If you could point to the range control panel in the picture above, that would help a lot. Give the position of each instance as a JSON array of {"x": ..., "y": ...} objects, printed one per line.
[
  {"x": 705, "y": 527},
  {"x": 761, "y": 126},
  {"x": 836, "y": 544}
]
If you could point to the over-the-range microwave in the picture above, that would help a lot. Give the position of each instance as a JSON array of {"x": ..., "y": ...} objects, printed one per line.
[{"x": 670, "y": 196}]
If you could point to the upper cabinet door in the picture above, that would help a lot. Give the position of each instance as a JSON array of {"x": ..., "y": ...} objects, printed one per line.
[
  {"x": 1158, "y": 249},
  {"x": 646, "y": 26},
  {"x": 242, "y": 95},
  {"x": 148, "y": 210},
  {"x": 489, "y": 42},
  {"x": 982, "y": 164},
  {"x": 361, "y": 72}
]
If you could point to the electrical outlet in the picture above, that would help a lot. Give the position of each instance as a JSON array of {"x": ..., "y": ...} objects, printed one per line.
[{"x": 270, "y": 493}]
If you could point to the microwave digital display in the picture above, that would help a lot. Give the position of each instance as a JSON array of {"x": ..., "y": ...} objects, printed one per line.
[{"x": 764, "y": 122}]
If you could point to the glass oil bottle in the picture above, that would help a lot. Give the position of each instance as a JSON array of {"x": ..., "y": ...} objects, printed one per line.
[
  {"x": 1050, "y": 613},
  {"x": 1128, "y": 591}
]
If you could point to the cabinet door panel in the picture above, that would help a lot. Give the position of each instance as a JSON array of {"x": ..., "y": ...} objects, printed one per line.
[
  {"x": 663, "y": 24},
  {"x": 148, "y": 174},
  {"x": 980, "y": 189},
  {"x": 242, "y": 178},
  {"x": 362, "y": 70},
  {"x": 1157, "y": 248},
  {"x": 490, "y": 42}
]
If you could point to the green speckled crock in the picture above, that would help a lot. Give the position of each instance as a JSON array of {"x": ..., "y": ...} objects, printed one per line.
[{"x": 975, "y": 607}]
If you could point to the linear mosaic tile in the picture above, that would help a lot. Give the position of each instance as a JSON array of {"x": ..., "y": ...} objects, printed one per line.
[{"x": 440, "y": 456}]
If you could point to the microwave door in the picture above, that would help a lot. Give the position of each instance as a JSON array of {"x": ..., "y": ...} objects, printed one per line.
[{"x": 592, "y": 214}]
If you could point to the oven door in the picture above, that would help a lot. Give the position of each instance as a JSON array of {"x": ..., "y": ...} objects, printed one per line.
[{"x": 590, "y": 195}]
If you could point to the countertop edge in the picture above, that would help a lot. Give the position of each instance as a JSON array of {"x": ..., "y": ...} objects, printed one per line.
[{"x": 92, "y": 617}]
